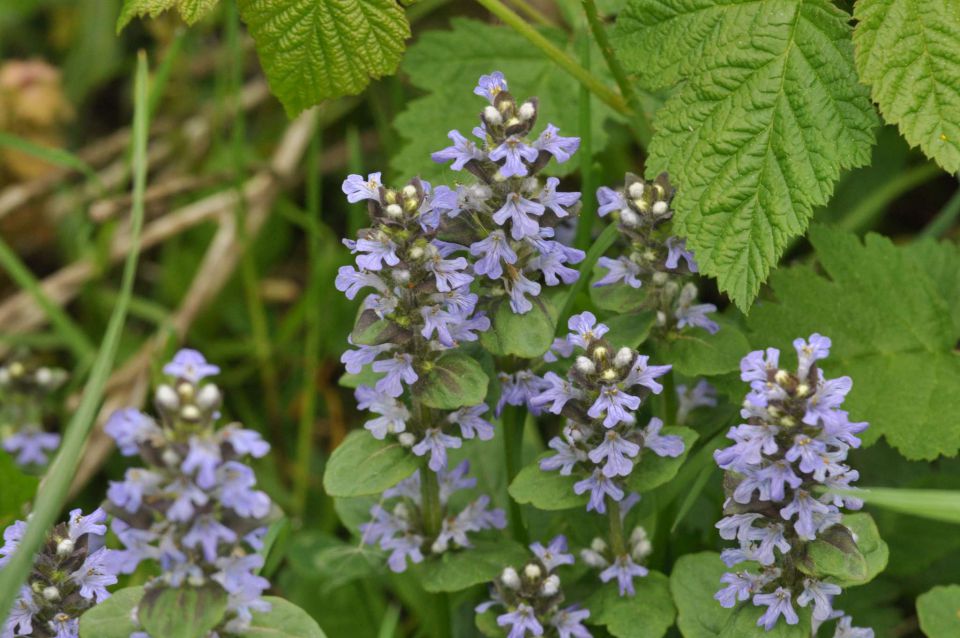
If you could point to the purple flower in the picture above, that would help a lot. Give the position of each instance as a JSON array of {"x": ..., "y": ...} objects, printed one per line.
[
  {"x": 614, "y": 405},
  {"x": 12, "y": 536},
  {"x": 208, "y": 532},
  {"x": 354, "y": 360},
  {"x": 568, "y": 622},
  {"x": 619, "y": 269},
  {"x": 557, "y": 393},
  {"x": 393, "y": 414},
  {"x": 560, "y": 147},
  {"x": 645, "y": 375},
  {"x": 31, "y": 445},
  {"x": 399, "y": 370},
  {"x": 756, "y": 367},
  {"x": 560, "y": 347},
  {"x": 203, "y": 457},
  {"x": 805, "y": 507},
  {"x": 349, "y": 281},
  {"x": 770, "y": 537},
  {"x": 827, "y": 398},
  {"x": 129, "y": 428},
  {"x": 436, "y": 442},
  {"x": 565, "y": 459},
  {"x": 615, "y": 450},
  {"x": 778, "y": 603},
  {"x": 440, "y": 321},
  {"x": 739, "y": 526},
  {"x": 449, "y": 273},
  {"x": 94, "y": 576},
  {"x": 190, "y": 365},
  {"x": 551, "y": 264},
  {"x": 599, "y": 487},
  {"x": 677, "y": 250},
  {"x": 740, "y": 585},
  {"x": 776, "y": 476},
  {"x": 520, "y": 621},
  {"x": 513, "y": 152},
  {"x": 518, "y": 288},
  {"x": 519, "y": 389},
  {"x": 809, "y": 352},
  {"x": 471, "y": 423},
  {"x": 186, "y": 498},
  {"x": 669, "y": 445},
  {"x": 624, "y": 570},
  {"x": 489, "y": 86},
  {"x": 377, "y": 251},
  {"x": 402, "y": 549},
  {"x": 128, "y": 493},
  {"x": 556, "y": 201},
  {"x": 609, "y": 201},
  {"x": 244, "y": 441},
  {"x": 585, "y": 329},
  {"x": 93, "y": 523},
  {"x": 846, "y": 630},
  {"x": 554, "y": 554},
  {"x": 461, "y": 152},
  {"x": 493, "y": 249},
  {"x": 236, "y": 483},
  {"x": 357, "y": 189},
  {"x": 20, "y": 620},
  {"x": 821, "y": 594},
  {"x": 518, "y": 209},
  {"x": 696, "y": 316}
]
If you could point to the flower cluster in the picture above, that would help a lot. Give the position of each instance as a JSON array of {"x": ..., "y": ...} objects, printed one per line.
[
  {"x": 70, "y": 575},
  {"x": 653, "y": 260},
  {"x": 532, "y": 597},
  {"x": 510, "y": 218},
  {"x": 400, "y": 524},
  {"x": 602, "y": 441},
  {"x": 25, "y": 392},
  {"x": 794, "y": 440},
  {"x": 193, "y": 507}
]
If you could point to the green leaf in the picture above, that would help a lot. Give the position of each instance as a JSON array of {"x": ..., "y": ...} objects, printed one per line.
[
  {"x": 455, "y": 380},
  {"x": 449, "y": 80},
  {"x": 834, "y": 556},
  {"x": 185, "y": 612},
  {"x": 18, "y": 489},
  {"x": 362, "y": 465},
  {"x": 284, "y": 620},
  {"x": 545, "y": 490},
  {"x": 769, "y": 111},
  {"x": 653, "y": 471},
  {"x": 459, "y": 569},
  {"x": 189, "y": 10},
  {"x": 113, "y": 618},
  {"x": 874, "y": 549},
  {"x": 528, "y": 335},
  {"x": 487, "y": 624},
  {"x": 631, "y": 329},
  {"x": 646, "y": 614},
  {"x": 894, "y": 332},
  {"x": 939, "y": 612},
  {"x": 696, "y": 352},
  {"x": 619, "y": 297},
  {"x": 694, "y": 581},
  {"x": 312, "y": 50},
  {"x": 909, "y": 52},
  {"x": 370, "y": 330}
]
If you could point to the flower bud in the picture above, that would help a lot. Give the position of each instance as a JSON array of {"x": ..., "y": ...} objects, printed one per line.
[
  {"x": 401, "y": 276},
  {"x": 532, "y": 571},
  {"x": 593, "y": 559},
  {"x": 608, "y": 374},
  {"x": 196, "y": 579},
  {"x": 551, "y": 586},
  {"x": 208, "y": 397},
  {"x": 439, "y": 546},
  {"x": 416, "y": 253},
  {"x": 624, "y": 357},
  {"x": 64, "y": 547},
  {"x": 636, "y": 190},
  {"x": 629, "y": 218},
  {"x": 51, "y": 593},
  {"x": 492, "y": 116},
  {"x": 782, "y": 377},
  {"x": 803, "y": 390},
  {"x": 598, "y": 545},
  {"x": 510, "y": 579},
  {"x": 394, "y": 210},
  {"x": 527, "y": 111},
  {"x": 170, "y": 457},
  {"x": 190, "y": 413},
  {"x": 406, "y": 439},
  {"x": 660, "y": 278},
  {"x": 166, "y": 397},
  {"x": 659, "y": 208},
  {"x": 44, "y": 376},
  {"x": 585, "y": 365},
  {"x": 409, "y": 191}
]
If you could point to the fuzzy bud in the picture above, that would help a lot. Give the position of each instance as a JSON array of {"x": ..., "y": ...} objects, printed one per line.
[
  {"x": 551, "y": 586},
  {"x": 409, "y": 191},
  {"x": 394, "y": 210},
  {"x": 208, "y": 397},
  {"x": 585, "y": 365},
  {"x": 636, "y": 190},
  {"x": 629, "y": 218},
  {"x": 64, "y": 547},
  {"x": 407, "y": 439},
  {"x": 440, "y": 546},
  {"x": 782, "y": 377},
  {"x": 416, "y": 253},
  {"x": 401, "y": 276},
  {"x": 492, "y": 116},
  {"x": 527, "y": 111},
  {"x": 660, "y": 278},
  {"x": 190, "y": 413},
  {"x": 659, "y": 208},
  {"x": 623, "y": 358},
  {"x": 51, "y": 593},
  {"x": 532, "y": 571},
  {"x": 510, "y": 578},
  {"x": 44, "y": 376},
  {"x": 166, "y": 397},
  {"x": 170, "y": 457},
  {"x": 598, "y": 545}
]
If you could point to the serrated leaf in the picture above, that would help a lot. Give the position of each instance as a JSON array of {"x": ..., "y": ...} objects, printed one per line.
[
  {"x": 312, "y": 50},
  {"x": 893, "y": 333},
  {"x": 939, "y": 612},
  {"x": 113, "y": 618},
  {"x": 362, "y": 465},
  {"x": 909, "y": 52},
  {"x": 189, "y": 10},
  {"x": 769, "y": 113},
  {"x": 455, "y": 380},
  {"x": 459, "y": 569},
  {"x": 646, "y": 614},
  {"x": 185, "y": 611},
  {"x": 528, "y": 335},
  {"x": 284, "y": 620},
  {"x": 449, "y": 81}
]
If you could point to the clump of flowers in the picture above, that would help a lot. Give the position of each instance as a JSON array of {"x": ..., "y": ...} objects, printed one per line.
[
  {"x": 509, "y": 218},
  {"x": 421, "y": 306},
  {"x": 531, "y": 597},
  {"x": 193, "y": 507},
  {"x": 602, "y": 441},
  {"x": 652, "y": 259},
  {"x": 621, "y": 566},
  {"x": 404, "y": 524},
  {"x": 26, "y": 390},
  {"x": 70, "y": 575},
  {"x": 794, "y": 440}
]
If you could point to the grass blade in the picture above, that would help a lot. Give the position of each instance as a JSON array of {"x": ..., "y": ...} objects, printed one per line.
[
  {"x": 939, "y": 505},
  {"x": 56, "y": 156},
  {"x": 53, "y": 491}
]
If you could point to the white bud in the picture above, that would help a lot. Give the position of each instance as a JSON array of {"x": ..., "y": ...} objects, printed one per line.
[
  {"x": 609, "y": 374},
  {"x": 629, "y": 218},
  {"x": 641, "y": 550},
  {"x": 16, "y": 369},
  {"x": 190, "y": 413},
  {"x": 530, "y": 184},
  {"x": 166, "y": 397},
  {"x": 416, "y": 253},
  {"x": 593, "y": 559},
  {"x": 492, "y": 116},
  {"x": 409, "y": 191},
  {"x": 510, "y": 579},
  {"x": 659, "y": 208},
  {"x": 636, "y": 190},
  {"x": 170, "y": 457},
  {"x": 598, "y": 545},
  {"x": 624, "y": 357},
  {"x": 551, "y": 586},
  {"x": 527, "y": 110},
  {"x": 51, "y": 593},
  {"x": 638, "y": 534},
  {"x": 196, "y": 579},
  {"x": 782, "y": 376},
  {"x": 439, "y": 546},
  {"x": 44, "y": 376},
  {"x": 394, "y": 210},
  {"x": 208, "y": 397},
  {"x": 660, "y": 278},
  {"x": 65, "y": 547},
  {"x": 599, "y": 353},
  {"x": 532, "y": 571},
  {"x": 406, "y": 439},
  {"x": 661, "y": 318},
  {"x": 401, "y": 276},
  {"x": 401, "y": 511},
  {"x": 803, "y": 390},
  {"x": 585, "y": 365}
]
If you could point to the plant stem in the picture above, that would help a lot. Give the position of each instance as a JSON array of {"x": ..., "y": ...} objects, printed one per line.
[
  {"x": 944, "y": 219},
  {"x": 513, "y": 421},
  {"x": 568, "y": 64},
  {"x": 600, "y": 246},
  {"x": 668, "y": 400},
  {"x": 617, "y": 542},
  {"x": 588, "y": 195},
  {"x": 532, "y": 12},
  {"x": 430, "y": 498},
  {"x": 644, "y": 129}
]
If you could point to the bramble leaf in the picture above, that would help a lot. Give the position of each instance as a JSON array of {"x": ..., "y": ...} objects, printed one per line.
[
  {"x": 189, "y": 10},
  {"x": 624, "y": 618},
  {"x": 909, "y": 52},
  {"x": 769, "y": 111},
  {"x": 939, "y": 611},
  {"x": 312, "y": 50},
  {"x": 362, "y": 465},
  {"x": 892, "y": 313}
]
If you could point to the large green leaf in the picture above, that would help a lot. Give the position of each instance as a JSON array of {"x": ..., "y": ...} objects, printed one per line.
[
  {"x": 546, "y": 490},
  {"x": 113, "y": 618},
  {"x": 185, "y": 611},
  {"x": 18, "y": 488},
  {"x": 284, "y": 620},
  {"x": 768, "y": 113},
  {"x": 456, "y": 570},
  {"x": 312, "y": 50},
  {"x": 939, "y": 612},
  {"x": 892, "y": 315},
  {"x": 696, "y": 352},
  {"x": 189, "y": 10},
  {"x": 652, "y": 470},
  {"x": 362, "y": 465},
  {"x": 454, "y": 380},
  {"x": 528, "y": 335},
  {"x": 909, "y": 52},
  {"x": 646, "y": 614}
]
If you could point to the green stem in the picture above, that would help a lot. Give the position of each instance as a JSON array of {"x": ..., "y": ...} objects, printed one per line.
[
  {"x": 667, "y": 405},
  {"x": 600, "y": 246},
  {"x": 533, "y": 13},
  {"x": 864, "y": 215},
  {"x": 944, "y": 219},
  {"x": 588, "y": 199},
  {"x": 430, "y": 497},
  {"x": 643, "y": 127},
  {"x": 513, "y": 422},
  {"x": 568, "y": 64},
  {"x": 617, "y": 542}
]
